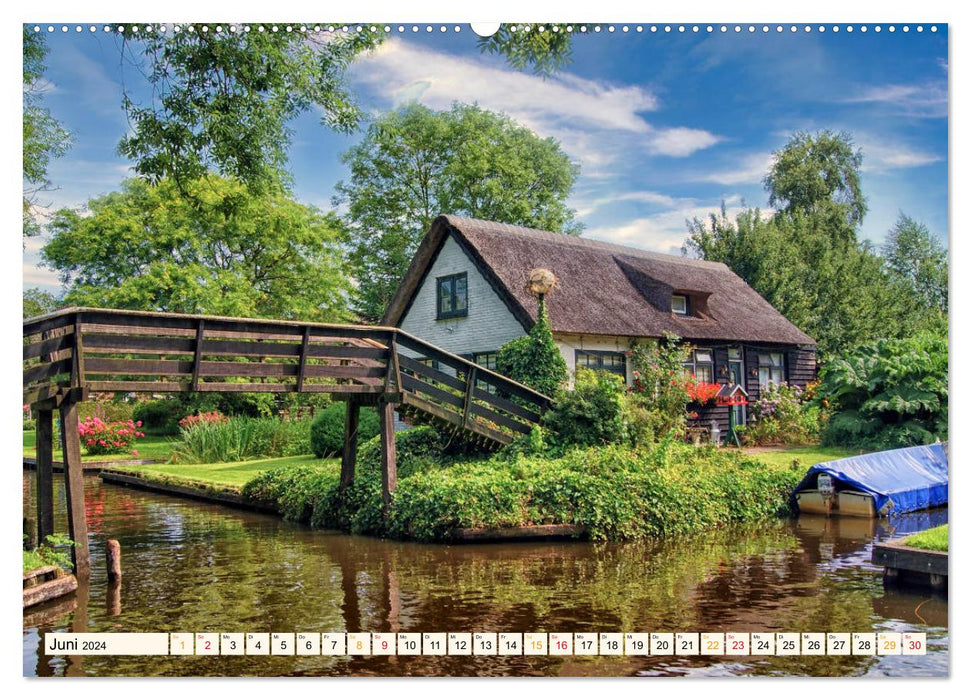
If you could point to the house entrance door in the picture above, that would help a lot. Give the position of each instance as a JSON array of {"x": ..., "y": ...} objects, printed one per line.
[{"x": 736, "y": 375}]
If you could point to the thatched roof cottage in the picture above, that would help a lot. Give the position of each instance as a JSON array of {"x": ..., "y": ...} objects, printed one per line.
[{"x": 466, "y": 291}]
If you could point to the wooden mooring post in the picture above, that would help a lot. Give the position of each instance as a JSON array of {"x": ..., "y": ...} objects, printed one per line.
[
  {"x": 352, "y": 416},
  {"x": 77, "y": 525},
  {"x": 45, "y": 472},
  {"x": 389, "y": 453}
]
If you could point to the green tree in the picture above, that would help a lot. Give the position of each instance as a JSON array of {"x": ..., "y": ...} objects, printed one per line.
[
  {"x": 37, "y": 302},
  {"x": 44, "y": 137},
  {"x": 914, "y": 254},
  {"x": 837, "y": 291},
  {"x": 222, "y": 100},
  {"x": 218, "y": 249},
  {"x": 414, "y": 164},
  {"x": 819, "y": 174},
  {"x": 534, "y": 359},
  {"x": 222, "y": 97},
  {"x": 543, "y": 48}
]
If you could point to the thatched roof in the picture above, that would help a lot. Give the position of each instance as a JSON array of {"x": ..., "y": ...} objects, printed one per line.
[{"x": 604, "y": 289}]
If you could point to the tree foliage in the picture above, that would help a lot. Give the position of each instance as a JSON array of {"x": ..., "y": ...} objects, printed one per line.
[
  {"x": 807, "y": 259},
  {"x": 888, "y": 394},
  {"x": 218, "y": 249},
  {"x": 818, "y": 174},
  {"x": 222, "y": 100},
  {"x": 44, "y": 137},
  {"x": 917, "y": 257},
  {"x": 414, "y": 164},
  {"x": 534, "y": 359},
  {"x": 37, "y": 302},
  {"x": 544, "y": 49}
]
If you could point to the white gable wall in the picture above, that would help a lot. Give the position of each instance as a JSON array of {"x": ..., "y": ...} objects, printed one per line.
[{"x": 489, "y": 323}]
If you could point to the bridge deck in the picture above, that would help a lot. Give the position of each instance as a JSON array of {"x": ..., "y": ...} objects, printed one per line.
[{"x": 73, "y": 353}]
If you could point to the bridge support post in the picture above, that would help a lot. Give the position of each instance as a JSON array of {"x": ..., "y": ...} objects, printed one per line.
[
  {"x": 389, "y": 453},
  {"x": 349, "y": 455},
  {"x": 77, "y": 524},
  {"x": 45, "y": 472}
]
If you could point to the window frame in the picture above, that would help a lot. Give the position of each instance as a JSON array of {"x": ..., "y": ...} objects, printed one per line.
[
  {"x": 691, "y": 366},
  {"x": 600, "y": 355},
  {"x": 440, "y": 282},
  {"x": 772, "y": 368},
  {"x": 687, "y": 305}
]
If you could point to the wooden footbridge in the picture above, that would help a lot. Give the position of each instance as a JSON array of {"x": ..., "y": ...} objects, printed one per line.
[{"x": 73, "y": 353}]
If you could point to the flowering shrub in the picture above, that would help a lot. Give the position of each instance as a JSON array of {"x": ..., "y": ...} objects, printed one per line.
[
  {"x": 658, "y": 398},
  {"x": 102, "y": 438},
  {"x": 783, "y": 416},
  {"x": 209, "y": 417},
  {"x": 700, "y": 392}
]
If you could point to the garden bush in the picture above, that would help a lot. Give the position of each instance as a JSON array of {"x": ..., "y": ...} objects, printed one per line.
[
  {"x": 327, "y": 429},
  {"x": 592, "y": 413},
  {"x": 534, "y": 359},
  {"x": 101, "y": 438},
  {"x": 160, "y": 416},
  {"x": 241, "y": 438},
  {"x": 889, "y": 394},
  {"x": 783, "y": 415},
  {"x": 614, "y": 492},
  {"x": 658, "y": 397}
]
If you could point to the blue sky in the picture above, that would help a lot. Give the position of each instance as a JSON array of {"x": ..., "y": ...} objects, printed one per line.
[{"x": 664, "y": 126}]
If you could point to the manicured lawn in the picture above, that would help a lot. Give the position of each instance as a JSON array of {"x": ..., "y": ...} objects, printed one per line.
[
  {"x": 157, "y": 447},
  {"x": 232, "y": 473},
  {"x": 806, "y": 456},
  {"x": 934, "y": 539}
]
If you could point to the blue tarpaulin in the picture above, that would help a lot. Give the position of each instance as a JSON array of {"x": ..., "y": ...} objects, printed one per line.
[{"x": 911, "y": 478}]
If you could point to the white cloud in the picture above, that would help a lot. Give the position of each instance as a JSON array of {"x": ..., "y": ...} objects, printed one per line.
[
  {"x": 681, "y": 141},
  {"x": 878, "y": 158},
  {"x": 749, "y": 170},
  {"x": 925, "y": 100},
  {"x": 586, "y": 207},
  {"x": 665, "y": 231},
  {"x": 595, "y": 122}
]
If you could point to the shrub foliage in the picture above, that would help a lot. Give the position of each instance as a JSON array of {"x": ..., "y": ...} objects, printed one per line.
[
  {"x": 327, "y": 430},
  {"x": 892, "y": 393},
  {"x": 614, "y": 492},
  {"x": 534, "y": 359}
]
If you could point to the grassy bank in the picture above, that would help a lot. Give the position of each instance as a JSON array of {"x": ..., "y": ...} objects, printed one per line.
[
  {"x": 934, "y": 539},
  {"x": 154, "y": 447},
  {"x": 613, "y": 493},
  {"x": 231, "y": 473},
  {"x": 803, "y": 457}
]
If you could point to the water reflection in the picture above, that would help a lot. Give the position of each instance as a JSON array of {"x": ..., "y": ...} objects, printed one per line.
[{"x": 193, "y": 567}]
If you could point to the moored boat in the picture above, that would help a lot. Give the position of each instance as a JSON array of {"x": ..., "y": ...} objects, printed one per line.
[{"x": 876, "y": 484}]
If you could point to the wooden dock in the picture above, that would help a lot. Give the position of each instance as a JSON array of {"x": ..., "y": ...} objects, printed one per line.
[
  {"x": 47, "y": 583},
  {"x": 905, "y": 565}
]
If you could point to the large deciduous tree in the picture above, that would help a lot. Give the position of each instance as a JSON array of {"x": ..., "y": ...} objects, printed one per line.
[
  {"x": 414, "y": 164},
  {"x": 807, "y": 259},
  {"x": 914, "y": 254},
  {"x": 223, "y": 96},
  {"x": 217, "y": 248},
  {"x": 819, "y": 174},
  {"x": 44, "y": 137}
]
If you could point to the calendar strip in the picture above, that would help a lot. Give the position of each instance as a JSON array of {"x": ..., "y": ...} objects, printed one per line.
[{"x": 487, "y": 644}]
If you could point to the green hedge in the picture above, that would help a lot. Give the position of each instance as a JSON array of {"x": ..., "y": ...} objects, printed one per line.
[
  {"x": 327, "y": 430},
  {"x": 616, "y": 493}
]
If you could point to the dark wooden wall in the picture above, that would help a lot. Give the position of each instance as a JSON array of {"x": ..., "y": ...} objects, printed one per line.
[{"x": 800, "y": 370}]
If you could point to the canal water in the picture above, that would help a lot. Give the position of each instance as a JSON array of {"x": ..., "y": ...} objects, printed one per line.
[{"x": 193, "y": 567}]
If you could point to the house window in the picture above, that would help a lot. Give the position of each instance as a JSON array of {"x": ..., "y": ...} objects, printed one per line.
[
  {"x": 679, "y": 304},
  {"x": 771, "y": 368},
  {"x": 487, "y": 360},
  {"x": 700, "y": 365},
  {"x": 453, "y": 295},
  {"x": 603, "y": 360}
]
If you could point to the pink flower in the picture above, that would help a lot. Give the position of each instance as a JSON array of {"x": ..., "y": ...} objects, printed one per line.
[{"x": 134, "y": 453}]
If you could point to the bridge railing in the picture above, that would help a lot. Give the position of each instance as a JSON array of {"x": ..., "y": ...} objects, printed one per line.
[{"x": 103, "y": 350}]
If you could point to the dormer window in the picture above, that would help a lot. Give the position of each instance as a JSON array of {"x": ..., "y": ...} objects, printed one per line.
[{"x": 679, "y": 304}]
